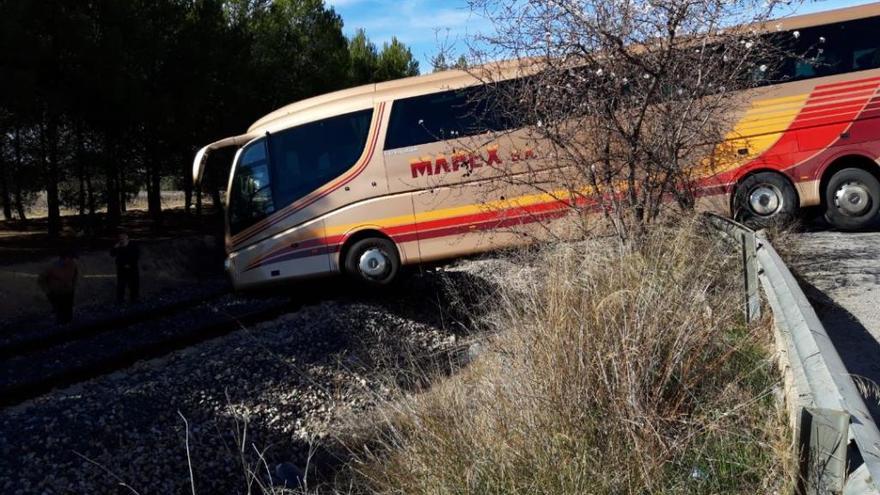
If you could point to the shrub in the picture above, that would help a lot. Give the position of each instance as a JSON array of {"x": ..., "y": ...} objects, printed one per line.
[{"x": 616, "y": 370}]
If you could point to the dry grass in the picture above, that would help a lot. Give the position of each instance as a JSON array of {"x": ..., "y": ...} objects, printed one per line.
[{"x": 615, "y": 371}]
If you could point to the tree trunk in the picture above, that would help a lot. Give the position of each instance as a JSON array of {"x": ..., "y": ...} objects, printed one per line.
[
  {"x": 120, "y": 180},
  {"x": 18, "y": 196},
  {"x": 4, "y": 191},
  {"x": 19, "y": 203},
  {"x": 81, "y": 197},
  {"x": 112, "y": 178},
  {"x": 187, "y": 192},
  {"x": 50, "y": 159},
  {"x": 93, "y": 219},
  {"x": 154, "y": 185},
  {"x": 81, "y": 170},
  {"x": 91, "y": 196},
  {"x": 217, "y": 201},
  {"x": 154, "y": 196}
]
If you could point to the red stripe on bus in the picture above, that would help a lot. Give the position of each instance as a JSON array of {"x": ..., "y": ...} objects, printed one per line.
[
  {"x": 817, "y": 93},
  {"x": 415, "y": 231},
  {"x": 432, "y": 233},
  {"x": 852, "y": 107},
  {"x": 844, "y": 83},
  {"x": 861, "y": 95}
]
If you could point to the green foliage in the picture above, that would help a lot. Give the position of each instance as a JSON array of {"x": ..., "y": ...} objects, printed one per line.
[
  {"x": 114, "y": 95},
  {"x": 364, "y": 58},
  {"x": 369, "y": 65},
  {"x": 440, "y": 63},
  {"x": 396, "y": 60}
]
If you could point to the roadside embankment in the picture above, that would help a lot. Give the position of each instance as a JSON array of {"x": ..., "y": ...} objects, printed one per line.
[
  {"x": 613, "y": 370},
  {"x": 570, "y": 368},
  {"x": 243, "y": 403}
]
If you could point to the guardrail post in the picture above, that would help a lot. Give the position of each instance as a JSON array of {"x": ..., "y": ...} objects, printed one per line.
[
  {"x": 750, "y": 269},
  {"x": 824, "y": 440}
]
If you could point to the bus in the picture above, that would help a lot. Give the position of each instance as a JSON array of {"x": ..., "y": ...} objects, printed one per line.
[{"x": 366, "y": 180}]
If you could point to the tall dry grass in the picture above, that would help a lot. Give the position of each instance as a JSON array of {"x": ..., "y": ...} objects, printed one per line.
[{"x": 616, "y": 370}]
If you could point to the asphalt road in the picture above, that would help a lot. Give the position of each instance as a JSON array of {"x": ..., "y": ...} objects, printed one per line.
[{"x": 840, "y": 273}]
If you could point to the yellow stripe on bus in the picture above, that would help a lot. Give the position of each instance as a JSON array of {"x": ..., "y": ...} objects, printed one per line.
[
  {"x": 457, "y": 211},
  {"x": 757, "y": 132},
  {"x": 775, "y": 101}
]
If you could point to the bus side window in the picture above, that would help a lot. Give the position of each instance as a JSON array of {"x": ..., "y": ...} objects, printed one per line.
[
  {"x": 447, "y": 115},
  {"x": 866, "y": 45},
  {"x": 308, "y": 156},
  {"x": 833, "y": 49},
  {"x": 866, "y": 58}
]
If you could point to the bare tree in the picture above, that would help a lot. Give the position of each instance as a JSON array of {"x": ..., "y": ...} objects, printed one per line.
[{"x": 633, "y": 99}]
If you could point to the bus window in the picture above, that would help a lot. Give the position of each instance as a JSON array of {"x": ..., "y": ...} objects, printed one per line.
[
  {"x": 834, "y": 49},
  {"x": 306, "y": 157},
  {"x": 449, "y": 115},
  {"x": 425, "y": 119},
  {"x": 250, "y": 199}
]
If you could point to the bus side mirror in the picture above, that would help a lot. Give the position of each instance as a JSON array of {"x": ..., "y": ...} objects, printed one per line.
[{"x": 199, "y": 162}]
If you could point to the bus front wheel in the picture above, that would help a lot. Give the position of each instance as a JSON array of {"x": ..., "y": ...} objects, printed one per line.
[
  {"x": 852, "y": 199},
  {"x": 373, "y": 261},
  {"x": 765, "y": 199}
]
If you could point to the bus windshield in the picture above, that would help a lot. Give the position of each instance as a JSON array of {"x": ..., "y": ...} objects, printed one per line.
[
  {"x": 276, "y": 171},
  {"x": 250, "y": 199}
]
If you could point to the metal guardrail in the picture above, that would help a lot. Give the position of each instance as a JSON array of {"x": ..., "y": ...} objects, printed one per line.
[{"x": 839, "y": 440}]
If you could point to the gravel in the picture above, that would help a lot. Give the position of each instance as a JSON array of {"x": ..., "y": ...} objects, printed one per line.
[
  {"x": 280, "y": 386},
  {"x": 67, "y": 362}
]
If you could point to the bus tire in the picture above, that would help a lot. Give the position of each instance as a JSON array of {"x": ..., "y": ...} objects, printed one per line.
[
  {"x": 852, "y": 199},
  {"x": 765, "y": 199},
  {"x": 372, "y": 261}
]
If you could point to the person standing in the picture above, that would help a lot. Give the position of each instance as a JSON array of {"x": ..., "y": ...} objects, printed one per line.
[
  {"x": 127, "y": 255},
  {"x": 59, "y": 284}
]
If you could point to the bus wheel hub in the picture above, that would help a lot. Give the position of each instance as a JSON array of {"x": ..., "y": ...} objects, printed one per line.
[
  {"x": 852, "y": 198},
  {"x": 373, "y": 263},
  {"x": 765, "y": 199}
]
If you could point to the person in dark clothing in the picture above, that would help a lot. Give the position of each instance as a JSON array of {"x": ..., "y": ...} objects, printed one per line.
[
  {"x": 127, "y": 255},
  {"x": 59, "y": 284}
]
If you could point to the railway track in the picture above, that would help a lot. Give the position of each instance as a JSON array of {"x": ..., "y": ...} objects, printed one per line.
[
  {"x": 30, "y": 368},
  {"x": 53, "y": 335}
]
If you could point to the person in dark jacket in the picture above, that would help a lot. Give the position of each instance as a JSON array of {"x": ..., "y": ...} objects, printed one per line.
[
  {"x": 127, "y": 255},
  {"x": 59, "y": 284}
]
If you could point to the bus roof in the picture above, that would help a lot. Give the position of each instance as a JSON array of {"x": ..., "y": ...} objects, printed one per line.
[
  {"x": 358, "y": 98},
  {"x": 361, "y": 97}
]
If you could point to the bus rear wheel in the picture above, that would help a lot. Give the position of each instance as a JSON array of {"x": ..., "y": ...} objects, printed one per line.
[
  {"x": 372, "y": 261},
  {"x": 765, "y": 199},
  {"x": 852, "y": 199}
]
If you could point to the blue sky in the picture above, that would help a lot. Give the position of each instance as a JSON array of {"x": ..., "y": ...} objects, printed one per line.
[{"x": 424, "y": 24}]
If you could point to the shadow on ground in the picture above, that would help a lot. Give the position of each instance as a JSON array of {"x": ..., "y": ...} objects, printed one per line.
[
  {"x": 854, "y": 343},
  {"x": 332, "y": 356},
  {"x": 380, "y": 335}
]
